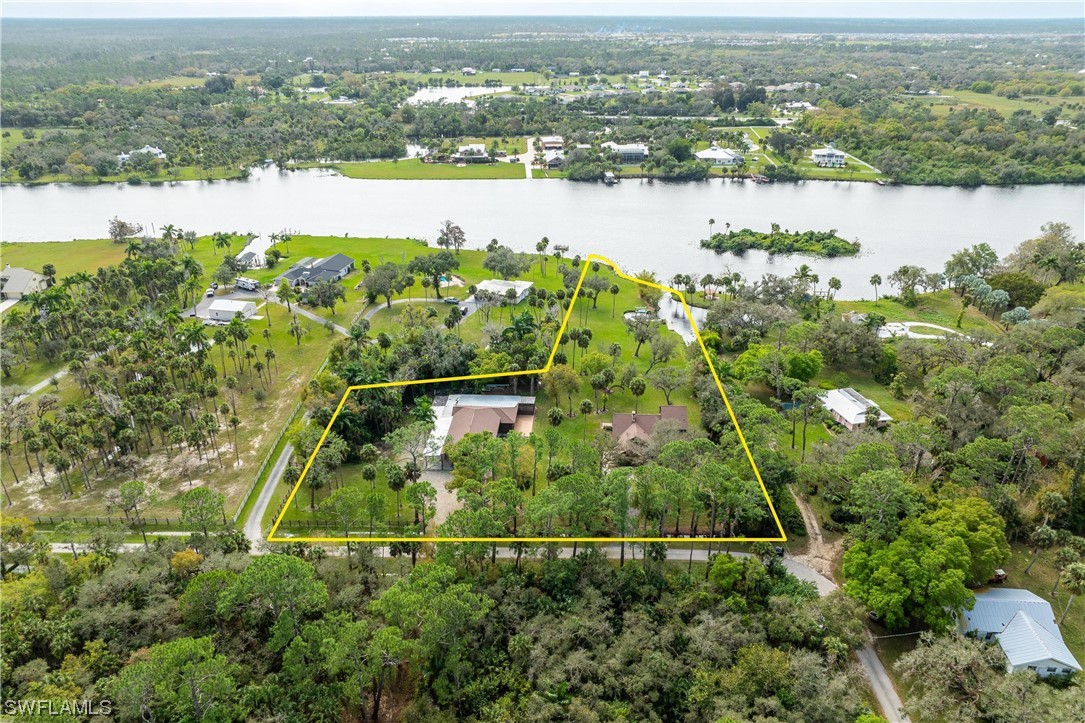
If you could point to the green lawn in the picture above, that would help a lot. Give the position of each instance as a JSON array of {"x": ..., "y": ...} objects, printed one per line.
[
  {"x": 415, "y": 169},
  {"x": 959, "y": 99},
  {"x": 939, "y": 308},
  {"x": 11, "y": 138},
  {"x": 67, "y": 256},
  {"x": 853, "y": 171},
  {"x": 513, "y": 145}
]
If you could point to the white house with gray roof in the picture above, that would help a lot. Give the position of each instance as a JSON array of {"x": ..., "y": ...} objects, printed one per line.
[
  {"x": 849, "y": 408},
  {"x": 1023, "y": 624}
]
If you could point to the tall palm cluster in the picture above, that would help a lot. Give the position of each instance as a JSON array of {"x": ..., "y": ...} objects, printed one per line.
[{"x": 148, "y": 381}]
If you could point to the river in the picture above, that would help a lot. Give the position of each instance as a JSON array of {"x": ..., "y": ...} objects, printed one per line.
[{"x": 635, "y": 223}]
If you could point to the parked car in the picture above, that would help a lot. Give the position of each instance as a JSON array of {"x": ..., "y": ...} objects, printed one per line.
[
  {"x": 450, "y": 300},
  {"x": 209, "y": 292},
  {"x": 463, "y": 311},
  {"x": 215, "y": 285}
]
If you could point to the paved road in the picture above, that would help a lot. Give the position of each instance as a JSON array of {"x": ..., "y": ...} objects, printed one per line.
[{"x": 254, "y": 529}]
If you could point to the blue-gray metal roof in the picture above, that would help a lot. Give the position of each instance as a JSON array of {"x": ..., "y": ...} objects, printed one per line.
[
  {"x": 996, "y": 607},
  {"x": 1026, "y": 642}
]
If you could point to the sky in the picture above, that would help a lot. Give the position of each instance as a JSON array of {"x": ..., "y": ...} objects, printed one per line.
[{"x": 1015, "y": 9}]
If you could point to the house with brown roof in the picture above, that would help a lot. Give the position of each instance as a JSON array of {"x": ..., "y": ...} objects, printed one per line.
[
  {"x": 627, "y": 426},
  {"x": 461, "y": 414}
]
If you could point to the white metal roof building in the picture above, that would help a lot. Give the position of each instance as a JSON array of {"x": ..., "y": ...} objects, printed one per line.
[
  {"x": 721, "y": 156},
  {"x": 501, "y": 287},
  {"x": 1028, "y": 645},
  {"x": 628, "y": 152},
  {"x": 225, "y": 309},
  {"x": 848, "y": 407},
  {"x": 996, "y": 607}
]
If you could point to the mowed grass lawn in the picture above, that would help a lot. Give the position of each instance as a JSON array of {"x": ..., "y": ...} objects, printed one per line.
[
  {"x": 415, "y": 169},
  {"x": 608, "y": 327},
  {"x": 959, "y": 99},
  {"x": 941, "y": 308}
]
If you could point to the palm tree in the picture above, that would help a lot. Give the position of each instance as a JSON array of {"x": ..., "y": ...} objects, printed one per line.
[
  {"x": 1073, "y": 577},
  {"x": 876, "y": 281},
  {"x": 133, "y": 249},
  {"x": 804, "y": 274},
  {"x": 711, "y": 223},
  {"x": 834, "y": 286},
  {"x": 296, "y": 329},
  {"x": 220, "y": 240}
]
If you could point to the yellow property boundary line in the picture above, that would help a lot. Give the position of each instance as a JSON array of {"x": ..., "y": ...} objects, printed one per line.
[{"x": 592, "y": 258}]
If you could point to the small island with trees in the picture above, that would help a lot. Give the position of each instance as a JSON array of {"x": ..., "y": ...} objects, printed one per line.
[{"x": 810, "y": 243}]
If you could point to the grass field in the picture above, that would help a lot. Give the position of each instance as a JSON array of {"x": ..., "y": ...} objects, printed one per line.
[
  {"x": 11, "y": 138},
  {"x": 415, "y": 169},
  {"x": 960, "y": 99},
  {"x": 939, "y": 308},
  {"x": 513, "y": 145}
]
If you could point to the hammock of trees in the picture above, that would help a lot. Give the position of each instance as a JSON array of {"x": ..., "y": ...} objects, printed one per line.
[{"x": 811, "y": 243}]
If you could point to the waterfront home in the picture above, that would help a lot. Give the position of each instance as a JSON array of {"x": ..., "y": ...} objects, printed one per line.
[
  {"x": 828, "y": 157},
  {"x": 471, "y": 153},
  {"x": 16, "y": 282},
  {"x": 307, "y": 273},
  {"x": 628, "y": 152},
  {"x": 155, "y": 151},
  {"x": 554, "y": 160},
  {"x": 721, "y": 156},
  {"x": 500, "y": 287}
]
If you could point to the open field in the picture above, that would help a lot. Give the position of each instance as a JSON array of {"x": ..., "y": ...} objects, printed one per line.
[
  {"x": 939, "y": 308},
  {"x": 960, "y": 99},
  {"x": 14, "y": 137},
  {"x": 415, "y": 169},
  {"x": 513, "y": 145}
]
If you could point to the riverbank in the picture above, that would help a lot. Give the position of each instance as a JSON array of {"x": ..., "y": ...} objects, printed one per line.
[
  {"x": 173, "y": 175},
  {"x": 414, "y": 169}
]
